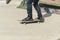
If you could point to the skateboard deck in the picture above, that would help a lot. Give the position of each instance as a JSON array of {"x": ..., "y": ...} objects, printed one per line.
[{"x": 28, "y": 22}]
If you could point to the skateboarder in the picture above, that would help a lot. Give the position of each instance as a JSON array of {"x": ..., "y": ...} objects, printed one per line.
[{"x": 29, "y": 10}]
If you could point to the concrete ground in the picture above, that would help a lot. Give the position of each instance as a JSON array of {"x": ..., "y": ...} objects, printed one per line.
[{"x": 11, "y": 29}]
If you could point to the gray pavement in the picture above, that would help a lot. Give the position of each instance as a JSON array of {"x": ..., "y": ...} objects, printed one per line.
[{"x": 11, "y": 29}]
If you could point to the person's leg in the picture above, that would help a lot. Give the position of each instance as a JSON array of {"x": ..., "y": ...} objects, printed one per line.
[
  {"x": 36, "y": 6},
  {"x": 29, "y": 11},
  {"x": 29, "y": 8}
]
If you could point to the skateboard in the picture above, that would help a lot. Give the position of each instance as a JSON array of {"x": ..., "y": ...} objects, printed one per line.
[{"x": 28, "y": 22}]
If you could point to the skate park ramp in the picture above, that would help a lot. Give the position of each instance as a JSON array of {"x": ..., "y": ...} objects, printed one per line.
[{"x": 11, "y": 29}]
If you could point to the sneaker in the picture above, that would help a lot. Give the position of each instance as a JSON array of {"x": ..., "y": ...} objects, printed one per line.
[
  {"x": 41, "y": 19},
  {"x": 27, "y": 19}
]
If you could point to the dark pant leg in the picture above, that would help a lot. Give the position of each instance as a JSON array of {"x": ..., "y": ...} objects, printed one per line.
[
  {"x": 29, "y": 8},
  {"x": 36, "y": 6}
]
